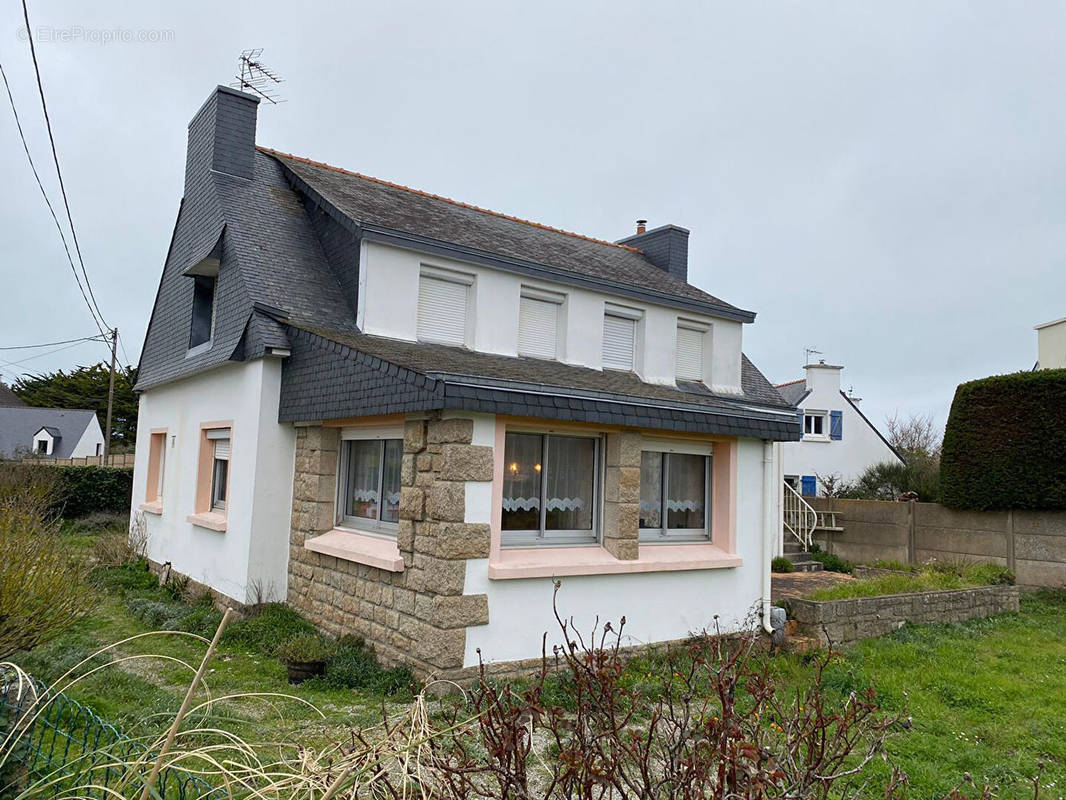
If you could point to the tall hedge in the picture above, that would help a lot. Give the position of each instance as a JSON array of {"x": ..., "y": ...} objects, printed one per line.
[
  {"x": 1005, "y": 443},
  {"x": 89, "y": 489}
]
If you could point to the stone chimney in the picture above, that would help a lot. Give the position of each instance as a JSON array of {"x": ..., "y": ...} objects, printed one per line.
[
  {"x": 222, "y": 137},
  {"x": 665, "y": 247}
]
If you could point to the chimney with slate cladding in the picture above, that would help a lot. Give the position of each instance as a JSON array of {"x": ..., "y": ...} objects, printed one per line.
[
  {"x": 222, "y": 136},
  {"x": 666, "y": 247}
]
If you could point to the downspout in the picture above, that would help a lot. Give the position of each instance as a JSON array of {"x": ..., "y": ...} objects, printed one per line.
[{"x": 768, "y": 518}]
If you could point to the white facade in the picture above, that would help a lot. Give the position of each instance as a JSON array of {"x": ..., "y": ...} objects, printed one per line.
[
  {"x": 250, "y": 556},
  {"x": 43, "y": 443},
  {"x": 822, "y": 454},
  {"x": 91, "y": 442},
  {"x": 388, "y": 306},
  {"x": 1051, "y": 345}
]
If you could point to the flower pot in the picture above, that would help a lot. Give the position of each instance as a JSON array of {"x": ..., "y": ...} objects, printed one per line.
[{"x": 300, "y": 671}]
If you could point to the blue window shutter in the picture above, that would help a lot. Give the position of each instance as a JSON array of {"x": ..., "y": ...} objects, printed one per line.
[
  {"x": 836, "y": 425},
  {"x": 808, "y": 486},
  {"x": 799, "y": 414}
]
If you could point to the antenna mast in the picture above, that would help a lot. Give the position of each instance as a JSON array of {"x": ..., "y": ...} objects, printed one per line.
[
  {"x": 256, "y": 77},
  {"x": 808, "y": 352}
]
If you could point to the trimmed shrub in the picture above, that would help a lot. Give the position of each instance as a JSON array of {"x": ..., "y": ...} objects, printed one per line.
[
  {"x": 87, "y": 490},
  {"x": 268, "y": 628},
  {"x": 1005, "y": 443},
  {"x": 354, "y": 665},
  {"x": 831, "y": 562},
  {"x": 781, "y": 564}
]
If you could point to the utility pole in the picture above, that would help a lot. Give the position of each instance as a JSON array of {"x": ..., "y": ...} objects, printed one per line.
[{"x": 110, "y": 397}]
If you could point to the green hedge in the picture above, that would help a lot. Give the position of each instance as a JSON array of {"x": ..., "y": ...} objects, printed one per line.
[
  {"x": 1005, "y": 443},
  {"x": 89, "y": 489}
]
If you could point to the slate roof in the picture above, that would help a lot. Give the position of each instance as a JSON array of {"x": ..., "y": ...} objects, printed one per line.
[
  {"x": 19, "y": 425},
  {"x": 368, "y": 201},
  {"x": 321, "y": 383},
  {"x": 8, "y": 399},
  {"x": 793, "y": 392}
]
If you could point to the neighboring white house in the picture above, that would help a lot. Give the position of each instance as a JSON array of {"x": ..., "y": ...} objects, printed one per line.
[
  {"x": 49, "y": 432},
  {"x": 838, "y": 440},
  {"x": 407, "y": 415},
  {"x": 1051, "y": 345}
]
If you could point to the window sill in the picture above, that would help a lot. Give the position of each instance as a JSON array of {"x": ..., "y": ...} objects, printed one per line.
[
  {"x": 211, "y": 520},
  {"x": 152, "y": 507},
  {"x": 553, "y": 562},
  {"x": 373, "y": 551}
]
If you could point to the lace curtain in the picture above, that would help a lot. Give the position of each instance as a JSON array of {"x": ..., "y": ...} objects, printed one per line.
[{"x": 562, "y": 469}]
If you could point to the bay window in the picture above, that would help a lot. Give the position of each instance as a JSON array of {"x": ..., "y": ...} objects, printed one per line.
[
  {"x": 369, "y": 484},
  {"x": 550, "y": 489},
  {"x": 675, "y": 495}
]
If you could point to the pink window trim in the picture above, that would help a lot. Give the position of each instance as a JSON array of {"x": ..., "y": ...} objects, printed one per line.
[
  {"x": 373, "y": 551},
  {"x": 720, "y": 552},
  {"x": 152, "y": 507},
  {"x": 211, "y": 520}
]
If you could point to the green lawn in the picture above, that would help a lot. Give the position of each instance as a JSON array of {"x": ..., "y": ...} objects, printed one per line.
[{"x": 987, "y": 697}]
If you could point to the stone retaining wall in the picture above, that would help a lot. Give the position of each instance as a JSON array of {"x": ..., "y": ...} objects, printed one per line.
[{"x": 844, "y": 621}]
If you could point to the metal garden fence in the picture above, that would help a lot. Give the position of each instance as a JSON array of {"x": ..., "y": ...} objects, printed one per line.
[{"x": 67, "y": 743}]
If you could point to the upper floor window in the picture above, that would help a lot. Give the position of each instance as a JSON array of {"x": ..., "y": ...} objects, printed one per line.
[
  {"x": 675, "y": 494},
  {"x": 443, "y": 306},
  {"x": 689, "y": 351},
  {"x": 814, "y": 424},
  {"x": 203, "y": 310},
  {"x": 538, "y": 323},
  {"x": 620, "y": 337},
  {"x": 369, "y": 482},
  {"x": 549, "y": 489}
]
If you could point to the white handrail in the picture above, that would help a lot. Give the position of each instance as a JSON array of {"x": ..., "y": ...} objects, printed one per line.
[{"x": 799, "y": 518}]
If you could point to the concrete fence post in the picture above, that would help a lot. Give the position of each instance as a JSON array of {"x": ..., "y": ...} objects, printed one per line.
[
  {"x": 912, "y": 555},
  {"x": 1010, "y": 540}
]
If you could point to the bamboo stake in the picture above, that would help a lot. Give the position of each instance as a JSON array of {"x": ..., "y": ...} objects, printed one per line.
[{"x": 185, "y": 705}]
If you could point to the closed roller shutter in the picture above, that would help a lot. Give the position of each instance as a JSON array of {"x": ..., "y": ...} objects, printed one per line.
[
  {"x": 538, "y": 328},
  {"x": 689, "y": 354},
  {"x": 442, "y": 308},
  {"x": 619, "y": 338}
]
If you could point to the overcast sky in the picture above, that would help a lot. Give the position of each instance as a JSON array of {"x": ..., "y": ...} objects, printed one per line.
[{"x": 883, "y": 182}]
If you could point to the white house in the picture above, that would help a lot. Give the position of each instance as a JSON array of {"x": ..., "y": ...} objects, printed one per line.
[
  {"x": 1051, "y": 345},
  {"x": 406, "y": 415},
  {"x": 49, "y": 432},
  {"x": 838, "y": 439}
]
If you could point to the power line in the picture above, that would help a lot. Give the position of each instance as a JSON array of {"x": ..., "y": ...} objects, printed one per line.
[
  {"x": 42, "y": 355},
  {"x": 55, "y": 158},
  {"x": 93, "y": 338},
  {"x": 48, "y": 202}
]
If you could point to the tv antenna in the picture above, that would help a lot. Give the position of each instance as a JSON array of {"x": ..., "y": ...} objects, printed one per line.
[
  {"x": 256, "y": 77},
  {"x": 810, "y": 351}
]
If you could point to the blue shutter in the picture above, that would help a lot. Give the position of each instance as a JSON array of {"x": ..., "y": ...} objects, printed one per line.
[
  {"x": 808, "y": 486},
  {"x": 799, "y": 415},
  {"x": 836, "y": 425}
]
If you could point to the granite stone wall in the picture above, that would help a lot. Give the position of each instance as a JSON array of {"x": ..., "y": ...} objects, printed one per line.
[{"x": 419, "y": 616}]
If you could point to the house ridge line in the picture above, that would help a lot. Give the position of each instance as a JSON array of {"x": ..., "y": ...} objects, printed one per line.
[{"x": 452, "y": 201}]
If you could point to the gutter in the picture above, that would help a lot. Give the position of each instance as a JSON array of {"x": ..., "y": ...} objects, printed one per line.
[{"x": 768, "y": 517}]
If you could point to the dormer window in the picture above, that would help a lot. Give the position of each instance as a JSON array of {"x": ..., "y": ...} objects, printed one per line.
[
  {"x": 203, "y": 310},
  {"x": 620, "y": 337},
  {"x": 538, "y": 323},
  {"x": 443, "y": 306},
  {"x": 689, "y": 358}
]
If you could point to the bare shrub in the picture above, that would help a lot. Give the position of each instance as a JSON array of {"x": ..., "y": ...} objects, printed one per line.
[{"x": 42, "y": 588}]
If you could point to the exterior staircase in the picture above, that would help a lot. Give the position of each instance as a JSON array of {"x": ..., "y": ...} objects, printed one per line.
[{"x": 798, "y": 523}]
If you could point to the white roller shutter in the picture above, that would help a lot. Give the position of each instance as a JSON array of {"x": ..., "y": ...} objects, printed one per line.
[
  {"x": 689, "y": 354},
  {"x": 442, "y": 309},
  {"x": 220, "y": 437},
  {"x": 538, "y": 328},
  {"x": 619, "y": 342}
]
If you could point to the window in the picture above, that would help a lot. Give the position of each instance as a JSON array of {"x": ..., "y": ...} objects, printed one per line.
[
  {"x": 220, "y": 442},
  {"x": 98, "y": 448},
  {"x": 549, "y": 489},
  {"x": 675, "y": 495},
  {"x": 369, "y": 494},
  {"x": 203, "y": 310},
  {"x": 538, "y": 323},
  {"x": 157, "y": 452},
  {"x": 620, "y": 337},
  {"x": 814, "y": 424},
  {"x": 42, "y": 447},
  {"x": 443, "y": 300},
  {"x": 689, "y": 356}
]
